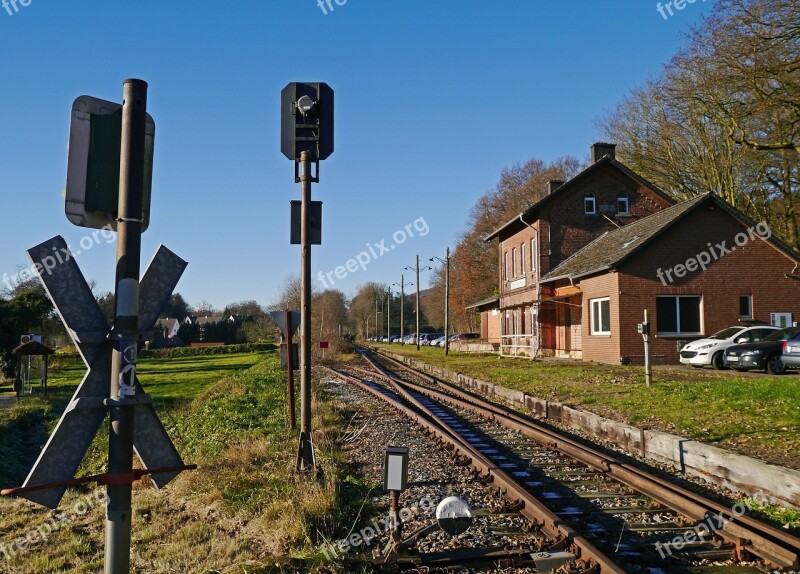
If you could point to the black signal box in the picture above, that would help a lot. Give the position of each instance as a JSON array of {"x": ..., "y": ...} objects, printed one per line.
[{"x": 307, "y": 120}]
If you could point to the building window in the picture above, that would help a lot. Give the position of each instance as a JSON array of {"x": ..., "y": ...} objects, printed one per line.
[
  {"x": 589, "y": 207},
  {"x": 623, "y": 206},
  {"x": 746, "y": 306},
  {"x": 505, "y": 266},
  {"x": 522, "y": 259},
  {"x": 533, "y": 255},
  {"x": 678, "y": 314},
  {"x": 514, "y": 262},
  {"x": 601, "y": 319}
]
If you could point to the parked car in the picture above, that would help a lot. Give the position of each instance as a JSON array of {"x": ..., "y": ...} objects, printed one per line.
[
  {"x": 765, "y": 354},
  {"x": 466, "y": 336},
  {"x": 395, "y": 339},
  {"x": 790, "y": 356},
  {"x": 709, "y": 351},
  {"x": 438, "y": 341},
  {"x": 427, "y": 338}
]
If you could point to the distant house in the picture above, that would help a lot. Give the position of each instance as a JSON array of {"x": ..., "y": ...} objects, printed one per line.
[
  {"x": 168, "y": 330},
  {"x": 490, "y": 319},
  {"x": 170, "y": 327},
  {"x": 602, "y": 197},
  {"x": 699, "y": 266}
]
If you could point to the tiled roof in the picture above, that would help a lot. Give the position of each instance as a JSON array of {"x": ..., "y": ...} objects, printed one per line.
[
  {"x": 487, "y": 301},
  {"x": 613, "y": 247},
  {"x": 586, "y": 172}
]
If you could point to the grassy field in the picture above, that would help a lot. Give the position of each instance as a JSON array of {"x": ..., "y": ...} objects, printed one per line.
[
  {"x": 243, "y": 510},
  {"x": 759, "y": 415}
]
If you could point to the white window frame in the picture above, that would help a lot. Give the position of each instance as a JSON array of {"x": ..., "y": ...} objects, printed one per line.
[
  {"x": 750, "y": 304},
  {"x": 624, "y": 197},
  {"x": 589, "y": 196},
  {"x": 514, "y": 261},
  {"x": 505, "y": 266},
  {"x": 533, "y": 255},
  {"x": 522, "y": 259},
  {"x": 679, "y": 332},
  {"x": 593, "y": 324}
]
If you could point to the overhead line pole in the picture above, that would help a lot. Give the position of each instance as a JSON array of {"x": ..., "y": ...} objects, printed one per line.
[
  {"x": 446, "y": 262},
  {"x": 447, "y": 302},
  {"x": 417, "y": 337}
]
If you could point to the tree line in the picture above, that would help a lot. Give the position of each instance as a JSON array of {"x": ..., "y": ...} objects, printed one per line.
[{"x": 722, "y": 116}]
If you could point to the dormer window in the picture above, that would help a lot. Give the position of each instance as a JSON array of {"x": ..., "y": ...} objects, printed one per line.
[
  {"x": 623, "y": 204},
  {"x": 589, "y": 204}
]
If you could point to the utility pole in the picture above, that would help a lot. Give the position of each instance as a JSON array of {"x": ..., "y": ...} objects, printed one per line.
[
  {"x": 389, "y": 315},
  {"x": 417, "y": 268},
  {"x": 446, "y": 299},
  {"x": 125, "y": 334},
  {"x": 417, "y": 335},
  {"x": 402, "y": 286}
]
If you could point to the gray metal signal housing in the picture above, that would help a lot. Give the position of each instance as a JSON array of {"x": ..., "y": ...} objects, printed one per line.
[
  {"x": 309, "y": 126},
  {"x": 92, "y": 192}
]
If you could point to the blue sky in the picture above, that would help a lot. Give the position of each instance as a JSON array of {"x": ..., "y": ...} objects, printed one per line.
[{"x": 433, "y": 100}]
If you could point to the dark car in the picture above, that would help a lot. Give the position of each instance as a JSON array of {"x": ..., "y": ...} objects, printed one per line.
[
  {"x": 765, "y": 355},
  {"x": 466, "y": 336},
  {"x": 791, "y": 352}
]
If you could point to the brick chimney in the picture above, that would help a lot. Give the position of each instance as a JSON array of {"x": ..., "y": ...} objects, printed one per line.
[
  {"x": 553, "y": 185},
  {"x": 600, "y": 150}
]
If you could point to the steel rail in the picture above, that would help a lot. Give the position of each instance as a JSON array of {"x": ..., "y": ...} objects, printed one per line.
[
  {"x": 537, "y": 513},
  {"x": 746, "y": 533}
]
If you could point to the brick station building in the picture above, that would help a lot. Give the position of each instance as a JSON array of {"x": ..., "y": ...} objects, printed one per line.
[
  {"x": 602, "y": 197},
  {"x": 699, "y": 266},
  {"x": 578, "y": 268}
]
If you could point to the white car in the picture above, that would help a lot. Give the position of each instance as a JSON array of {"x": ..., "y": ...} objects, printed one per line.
[{"x": 708, "y": 351}]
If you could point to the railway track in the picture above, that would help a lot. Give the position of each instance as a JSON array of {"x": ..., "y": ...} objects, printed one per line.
[{"x": 613, "y": 517}]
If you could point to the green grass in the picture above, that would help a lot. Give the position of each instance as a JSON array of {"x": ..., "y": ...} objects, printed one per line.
[
  {"x": 243, "y": 510},
  {"x": 171, "y": 382},
  {"x": 760, "y": 414}
]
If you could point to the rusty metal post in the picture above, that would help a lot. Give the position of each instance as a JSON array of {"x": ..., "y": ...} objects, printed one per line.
[
  {"x": 125, "y": 335},
  {"x": 305, "y": 451},
  {"x": 394, "y": 515}
]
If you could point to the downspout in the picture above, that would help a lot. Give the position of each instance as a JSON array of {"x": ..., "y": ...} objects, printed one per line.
[
  {"x": 538, "y": 288},
  {"x": 500, "y": 299}
]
